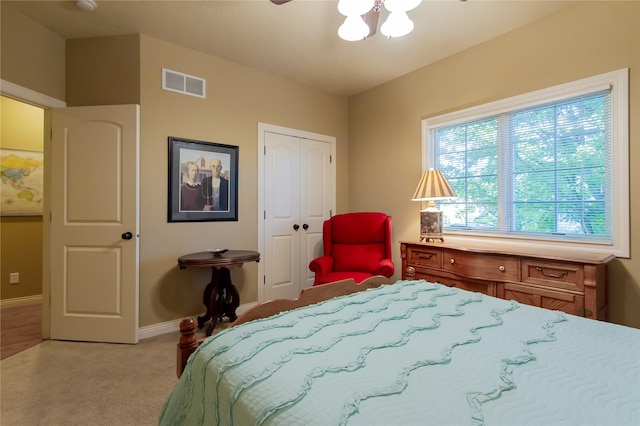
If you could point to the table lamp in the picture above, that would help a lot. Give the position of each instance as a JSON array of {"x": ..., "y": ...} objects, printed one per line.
[{"x": 433, "y": 186}]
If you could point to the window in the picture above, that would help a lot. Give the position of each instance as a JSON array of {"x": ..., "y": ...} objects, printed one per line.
[{"x": 550, "y": 165}]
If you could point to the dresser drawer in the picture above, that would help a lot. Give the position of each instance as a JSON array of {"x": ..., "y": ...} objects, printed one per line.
[
  {"x": 549, "y": 299},
  {"x": 424, "y": 256},
  {"x": 444, "y": 278},
  {"x": 484, "y": 266},
  {"x": 563, "y": 275}
]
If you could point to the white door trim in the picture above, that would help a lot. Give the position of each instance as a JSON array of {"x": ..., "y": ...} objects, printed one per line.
[
  {"x": 262, "y": 128},
  {"x": 12, "y": 90}
]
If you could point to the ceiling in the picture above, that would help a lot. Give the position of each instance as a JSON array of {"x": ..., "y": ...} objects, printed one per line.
[{"x": 299, "y": 39}]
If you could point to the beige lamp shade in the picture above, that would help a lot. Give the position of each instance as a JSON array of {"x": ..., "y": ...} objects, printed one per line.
[{"x": 432, "y": 186}]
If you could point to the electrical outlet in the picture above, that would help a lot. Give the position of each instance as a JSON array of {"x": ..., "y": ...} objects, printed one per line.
[{"x": 14, "y": 278}]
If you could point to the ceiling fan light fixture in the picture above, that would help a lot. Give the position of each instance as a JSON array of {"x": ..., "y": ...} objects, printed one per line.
[
  {"x": 355, "y": 7},
  {"x": 397, "y": 24},
  {"x": 353, "y": 29},
  {"x": 401, "y": 5},
  {"x": 86, "y": 5}
]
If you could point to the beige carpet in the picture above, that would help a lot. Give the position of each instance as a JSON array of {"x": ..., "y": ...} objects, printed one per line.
[{"x": 92, "y": 384}]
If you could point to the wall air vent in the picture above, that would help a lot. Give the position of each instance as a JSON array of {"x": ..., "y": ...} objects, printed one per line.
[{"x": 183, "y": 83}]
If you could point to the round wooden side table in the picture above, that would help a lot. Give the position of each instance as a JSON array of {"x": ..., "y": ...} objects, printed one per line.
[{"x": 221, "y": 297}]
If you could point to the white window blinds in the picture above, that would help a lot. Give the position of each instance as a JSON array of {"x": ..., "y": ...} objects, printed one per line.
[{"x": 538, "y": 166}]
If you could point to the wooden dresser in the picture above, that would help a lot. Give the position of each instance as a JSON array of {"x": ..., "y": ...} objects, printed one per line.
[{"x": 572, "y": 282}]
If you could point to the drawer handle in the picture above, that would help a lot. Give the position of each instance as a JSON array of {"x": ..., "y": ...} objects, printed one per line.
[
  {"x": 425, "y": 255},
  {"x": 551, "y": 275},
  {"x": 502, "y": 268},
  {"x": 410, "y": 271},
  {"x": 452, "y": 261}
]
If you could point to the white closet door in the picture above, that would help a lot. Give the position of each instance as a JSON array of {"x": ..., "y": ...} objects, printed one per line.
[
  {"x": 316, "y": 202},
  {"x": 298, "y": 196},
  {"x": 281, "y": 255}
]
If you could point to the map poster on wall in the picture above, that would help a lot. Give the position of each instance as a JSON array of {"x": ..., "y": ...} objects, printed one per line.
[{"x": 22, "y": 174}]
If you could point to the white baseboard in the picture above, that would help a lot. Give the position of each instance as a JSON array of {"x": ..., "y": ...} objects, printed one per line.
[
  {"x": 174, "y": 325},
  {"x": 20, "y": 301},
  {"x": 143, "y": 332}
]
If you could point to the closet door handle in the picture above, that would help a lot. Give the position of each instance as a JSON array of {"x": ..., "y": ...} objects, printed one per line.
[
  {"x": 127, "y": 236},
  {"x": 296, "y": 227},
  {"x": 305, "y": 226}
]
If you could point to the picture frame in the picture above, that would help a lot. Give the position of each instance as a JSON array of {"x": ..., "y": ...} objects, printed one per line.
[
  {"x": 22, "y": 183},
  {"x": 195, "y": 194}
]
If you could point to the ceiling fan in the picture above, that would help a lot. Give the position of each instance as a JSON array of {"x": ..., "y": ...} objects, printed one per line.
[
  {"x": 362, "y": 17},
  {"x": 370, "y": 18}
]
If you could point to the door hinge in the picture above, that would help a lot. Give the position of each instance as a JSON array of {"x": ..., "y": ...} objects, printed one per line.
[
  {"x": 265, "y": 150},
  {"x": 330, "y": 159},
  {"x": 265, "y": 215}
]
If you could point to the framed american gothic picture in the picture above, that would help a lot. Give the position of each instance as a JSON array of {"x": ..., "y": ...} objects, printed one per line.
[{"x": 203, "y": 181}]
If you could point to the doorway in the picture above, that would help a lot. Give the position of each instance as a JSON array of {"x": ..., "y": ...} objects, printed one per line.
[
  {"x": 29, "y": 97},
  {"x": 127, "y": 132},
  {"x": 23, "y": 134}
]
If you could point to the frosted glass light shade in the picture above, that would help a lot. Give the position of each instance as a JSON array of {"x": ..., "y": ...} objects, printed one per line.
[
  {"x": 86, "y": 5},
  {"x": 397, "y": 24},
  {"x": 354, "y": 7},
  {"x": 353, "y": 29}
]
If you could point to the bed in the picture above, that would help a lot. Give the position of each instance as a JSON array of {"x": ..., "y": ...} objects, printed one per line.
[{"x": 409, "y": 353}]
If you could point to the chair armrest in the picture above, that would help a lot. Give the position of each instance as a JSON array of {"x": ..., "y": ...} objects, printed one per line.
[
  {"x": 385, "y": 267},
  {"x": 321, "y": 265}
]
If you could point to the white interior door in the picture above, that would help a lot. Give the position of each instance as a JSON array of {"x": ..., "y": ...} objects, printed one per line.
[
  {"x": 94, "y": 223},
  {"x": 299, "y": 195}
]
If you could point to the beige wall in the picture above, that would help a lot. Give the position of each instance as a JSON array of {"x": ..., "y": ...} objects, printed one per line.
[
  {"x": 237, "y": 99},
  {"x": 103, "y": 71},
  {"x": 22, "y": 127},
  {"x": 32, "y": 56},
  {"x": 385, "y": 152}
]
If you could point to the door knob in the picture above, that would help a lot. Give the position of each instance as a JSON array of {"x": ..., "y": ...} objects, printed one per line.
[
  {"x": 296, "y": 227},
  {"x": 305, "y": 226},
  {"x": 127, "y": 236}
]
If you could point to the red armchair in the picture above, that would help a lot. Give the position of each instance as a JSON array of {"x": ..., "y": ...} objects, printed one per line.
[{"x": 356, "y": 245}]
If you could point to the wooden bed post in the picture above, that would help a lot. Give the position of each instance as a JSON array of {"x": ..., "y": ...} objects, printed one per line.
[{"x": 188, "y": 343}]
